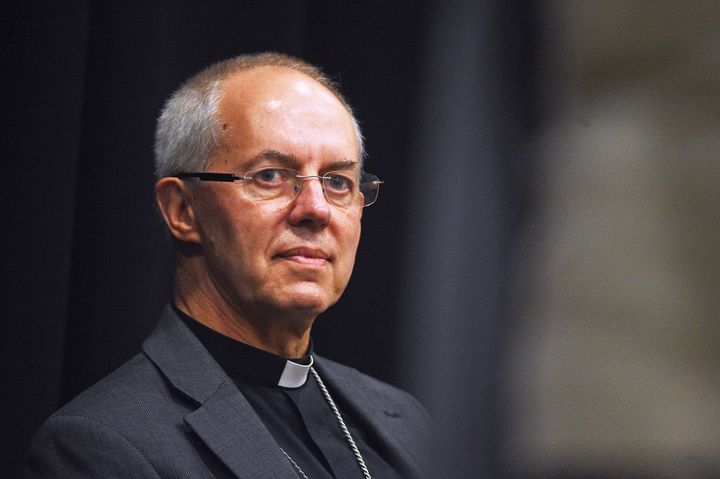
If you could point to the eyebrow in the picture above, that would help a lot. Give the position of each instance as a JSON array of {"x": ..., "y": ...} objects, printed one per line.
[
  {"x": 292, "y": 161},
  {"x": 341, "y": 165},
  {"x": 274, "y": 155}
]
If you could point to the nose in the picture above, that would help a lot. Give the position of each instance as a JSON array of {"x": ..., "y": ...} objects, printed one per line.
[{"x": 310, "y": 205}]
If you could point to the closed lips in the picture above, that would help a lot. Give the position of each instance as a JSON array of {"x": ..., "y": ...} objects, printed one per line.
[{"x": 306, "y": 255}]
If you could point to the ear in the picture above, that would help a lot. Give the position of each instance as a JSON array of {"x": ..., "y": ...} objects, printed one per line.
[{"x": 177, "y": 210}]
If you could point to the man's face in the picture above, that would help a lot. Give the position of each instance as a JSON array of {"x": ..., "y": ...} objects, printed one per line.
[{"x": 272, "y": 258}]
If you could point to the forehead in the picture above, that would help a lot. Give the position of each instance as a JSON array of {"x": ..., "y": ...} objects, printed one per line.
[{"x": 277, "y": 108}]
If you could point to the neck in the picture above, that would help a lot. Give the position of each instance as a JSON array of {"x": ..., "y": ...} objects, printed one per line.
[{"x": 280, "y": 334}]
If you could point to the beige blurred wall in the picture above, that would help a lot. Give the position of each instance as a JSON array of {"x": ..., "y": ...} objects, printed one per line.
[{"x": 614, "y": 367}]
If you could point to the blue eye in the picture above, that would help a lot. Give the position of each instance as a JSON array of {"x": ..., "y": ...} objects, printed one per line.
[
  {"x": 270, "y": 177},
  {"x": 338, "y": 183}
]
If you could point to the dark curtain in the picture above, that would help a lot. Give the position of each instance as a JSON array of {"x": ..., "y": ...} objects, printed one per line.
[
  {"x": 86, "y": 264},
  {"x": 466, "y": 181}
]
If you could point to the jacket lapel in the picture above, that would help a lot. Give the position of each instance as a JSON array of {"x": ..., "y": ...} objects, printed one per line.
[
  {"x": 236, "y": 435},
  {"x": 224, "y": 419}
]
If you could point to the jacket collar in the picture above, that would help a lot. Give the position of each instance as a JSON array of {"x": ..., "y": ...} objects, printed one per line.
[{"x": 224, "y": 419}]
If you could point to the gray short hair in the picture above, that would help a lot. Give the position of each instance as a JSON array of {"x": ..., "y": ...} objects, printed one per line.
[{"x": 188, "y": 130}]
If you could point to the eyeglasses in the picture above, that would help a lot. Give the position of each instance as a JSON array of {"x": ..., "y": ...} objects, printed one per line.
[{"x": 340, "y": 188}]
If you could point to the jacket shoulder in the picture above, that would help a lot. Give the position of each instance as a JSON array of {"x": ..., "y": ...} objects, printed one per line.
[
  {"x": 387, "y": 394},
  {"x": 131, "y": 389},
  {"x": 102, "y": 431}
]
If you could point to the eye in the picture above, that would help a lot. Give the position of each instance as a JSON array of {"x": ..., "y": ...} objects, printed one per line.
[
  {"x": 270, "y": 177},
  {"x": 338, "y": 183}
]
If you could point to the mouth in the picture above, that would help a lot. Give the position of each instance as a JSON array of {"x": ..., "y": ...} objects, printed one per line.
[{"x": 306, "y": 256}]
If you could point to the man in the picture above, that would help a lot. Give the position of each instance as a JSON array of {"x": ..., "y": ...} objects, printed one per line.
[{"x": 261, "y": 185}]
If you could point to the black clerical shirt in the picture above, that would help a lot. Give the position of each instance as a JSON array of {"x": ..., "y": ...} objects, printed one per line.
[{"x": 298, "y": 417}]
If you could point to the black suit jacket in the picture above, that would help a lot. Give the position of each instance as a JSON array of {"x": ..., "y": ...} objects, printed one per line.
[{"x": 171, "y": 411}]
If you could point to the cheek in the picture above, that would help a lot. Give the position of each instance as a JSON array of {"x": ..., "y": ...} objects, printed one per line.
[
  {"x": 221, "y": 235},
  {"x": 223, "y": 229},
  {"x": 349, "y": 240},
  {"x": 355, "y": 227},
  {"x": 246, "y": 239}
]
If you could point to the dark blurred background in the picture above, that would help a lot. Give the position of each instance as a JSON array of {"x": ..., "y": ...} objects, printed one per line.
[{"x": 540, "y": 268}]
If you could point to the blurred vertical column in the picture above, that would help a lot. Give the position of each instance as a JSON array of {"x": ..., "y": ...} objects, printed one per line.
[
  {"x": 451, "y": 307},
  {"x": 614, "y": 369}
]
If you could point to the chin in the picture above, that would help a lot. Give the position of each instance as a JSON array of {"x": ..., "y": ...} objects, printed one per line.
[{"x": 309, "y": 300}]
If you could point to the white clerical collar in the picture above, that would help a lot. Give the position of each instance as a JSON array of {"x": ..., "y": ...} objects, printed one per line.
[
  {"x": 242, "y": 361},
  {"x": 294, "y": 375}
]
